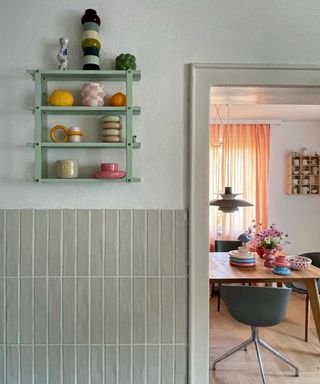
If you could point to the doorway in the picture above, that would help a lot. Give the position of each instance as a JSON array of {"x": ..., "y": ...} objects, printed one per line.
[{"x": 202, "y": 78}]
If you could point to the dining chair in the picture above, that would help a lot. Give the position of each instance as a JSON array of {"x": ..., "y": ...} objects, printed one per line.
[
  {"x": 224, "y": 246},
  {"x": 301, "y": 288},
  {"x": 257, "y": 307}
]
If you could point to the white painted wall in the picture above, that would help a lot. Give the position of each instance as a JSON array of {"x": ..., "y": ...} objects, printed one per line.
[
  {"x": 164, "y": 36},
  {"x": 298, "y": 215}
]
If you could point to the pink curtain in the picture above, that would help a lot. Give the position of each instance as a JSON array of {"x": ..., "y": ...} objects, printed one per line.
[{"x": 243, "y": 161}]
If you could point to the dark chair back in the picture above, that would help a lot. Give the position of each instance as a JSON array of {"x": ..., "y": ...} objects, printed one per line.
[
  {"x": 226, "y": 245},
  {"x": 256, "y": 306},
  {"x": 300, "y": 287}
]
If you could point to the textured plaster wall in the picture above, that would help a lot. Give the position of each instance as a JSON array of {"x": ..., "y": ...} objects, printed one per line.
[
  {"x": 297, "y": 215},
  {"x": 165, "y": 36}
]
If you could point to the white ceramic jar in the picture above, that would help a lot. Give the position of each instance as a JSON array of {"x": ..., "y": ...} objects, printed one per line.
[{"x": 67, "y": 169}]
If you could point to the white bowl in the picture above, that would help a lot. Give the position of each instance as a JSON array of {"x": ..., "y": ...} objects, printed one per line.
[
  {"x": 314, "y": 191},
  {"x": 299, "y": 263},
  {"x": 305, "y": 172},
  {"x": 295, "y": 172}
]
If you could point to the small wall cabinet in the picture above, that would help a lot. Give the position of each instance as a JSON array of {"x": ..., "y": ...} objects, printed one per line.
[
  {"x": 42, "y": 143},
  {"x": 303, "y": 174}
]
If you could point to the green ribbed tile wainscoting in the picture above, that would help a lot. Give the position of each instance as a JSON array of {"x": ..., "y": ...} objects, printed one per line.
[{"x": 93, "y": 296}]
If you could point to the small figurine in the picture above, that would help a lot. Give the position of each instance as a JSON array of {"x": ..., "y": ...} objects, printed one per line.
[{"x": 63, "y": 53}]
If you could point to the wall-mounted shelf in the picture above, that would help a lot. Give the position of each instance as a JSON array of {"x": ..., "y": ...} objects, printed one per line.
[
  {"x": 42, "y": 110},
  {"x": 303, "y": 174}
]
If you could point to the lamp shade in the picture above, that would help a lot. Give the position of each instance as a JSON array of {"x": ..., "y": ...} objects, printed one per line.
[{"x": 228, "y": 202}]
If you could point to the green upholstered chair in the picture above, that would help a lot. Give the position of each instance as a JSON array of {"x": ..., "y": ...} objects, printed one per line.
[{"x": 256, "y": 307}]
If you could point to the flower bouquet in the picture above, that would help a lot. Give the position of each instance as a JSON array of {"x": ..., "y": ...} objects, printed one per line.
[{"x": 268, "y": 241}]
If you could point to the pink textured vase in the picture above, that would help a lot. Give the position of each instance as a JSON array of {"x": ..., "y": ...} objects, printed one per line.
[{"x": 269, "y": 257}]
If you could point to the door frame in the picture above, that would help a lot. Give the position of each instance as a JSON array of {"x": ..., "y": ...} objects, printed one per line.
[{"x": 202, "y": 78}]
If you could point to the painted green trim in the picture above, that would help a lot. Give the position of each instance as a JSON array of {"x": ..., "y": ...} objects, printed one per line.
[
  {"x": 87, "y": 180},
  {"x": 80, "y": 75},
  {"x": 79, "y": 110},
  {"x": 88, "y": 145}
]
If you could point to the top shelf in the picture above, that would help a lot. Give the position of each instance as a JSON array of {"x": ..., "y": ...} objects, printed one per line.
[{"x": 80, "y": 75}]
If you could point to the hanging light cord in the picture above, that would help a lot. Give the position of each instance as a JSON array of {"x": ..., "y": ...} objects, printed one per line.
[{"x": 217, "y": 119}]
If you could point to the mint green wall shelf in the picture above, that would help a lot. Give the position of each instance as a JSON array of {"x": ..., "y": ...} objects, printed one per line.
[{"x": 41, "y": 111}]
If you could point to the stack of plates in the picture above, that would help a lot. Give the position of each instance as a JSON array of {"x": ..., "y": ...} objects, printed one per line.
[{"x": 238, "y": 259}]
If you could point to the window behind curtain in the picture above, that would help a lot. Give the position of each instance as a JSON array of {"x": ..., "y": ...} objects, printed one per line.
[{"x": 239, "y": 158}]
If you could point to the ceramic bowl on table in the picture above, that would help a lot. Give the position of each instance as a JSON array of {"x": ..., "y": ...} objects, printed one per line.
[{"x": 299, "y": 263}]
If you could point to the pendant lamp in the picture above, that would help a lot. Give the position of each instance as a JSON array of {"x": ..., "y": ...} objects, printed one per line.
[{"x": 228, "y": 203}]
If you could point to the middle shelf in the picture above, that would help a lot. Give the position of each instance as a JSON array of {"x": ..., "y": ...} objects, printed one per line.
[{"x": 88, "y": 145}]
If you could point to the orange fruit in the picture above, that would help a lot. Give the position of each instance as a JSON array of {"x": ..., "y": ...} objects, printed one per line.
[{"x": 118, "y": 100}]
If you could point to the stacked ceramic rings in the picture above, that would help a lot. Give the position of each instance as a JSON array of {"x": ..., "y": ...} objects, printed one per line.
[
  {"x": 111, "y": 129},
  {"x": 92, "y": 94},
  {"x": 91, "y": 41}
]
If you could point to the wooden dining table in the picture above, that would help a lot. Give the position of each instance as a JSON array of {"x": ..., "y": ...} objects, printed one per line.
[{"x": 220, "y": 271}]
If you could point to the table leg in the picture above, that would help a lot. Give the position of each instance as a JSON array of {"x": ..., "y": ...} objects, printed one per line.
[{"x": 313, "y": 294}]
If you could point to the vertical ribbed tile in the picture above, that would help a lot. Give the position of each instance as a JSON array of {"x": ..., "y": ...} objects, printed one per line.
[
  {"x": 68, "y": 298},
  {"x": 83, "y": 236},
  {"x": 139, "y": 240},
  {"x": 139, "y": 366},
  {"x": 111, "y": 242},
  {"x": 83, "y": 365},
  {"x": 153, "y": 268},
  {"x": 125, "y": 313},
  {"x": 40, "y": 310},
  {"x": 96, "y": 311},
  {"x": 125, "y": 243},
  {"x": 153, "y": 365},
  {"x": 181, "y": 311},
  {"x": 54, "y": 310},
  {"x": 2, "y": 240},
  {"x": 181, "y": 227},
  {"x": 167, "y": 364},
  {"x": 83, "y": 310},
  {"x": 55, "y": 224},
  {"x": 26, "y": 311},
  {"x": 26, "y": 242},
  {"x": 96, "y": 364},
  {"x": 181, "y": 364},
  {"x": 12, "y": 311},
  {"x": 54, "y": 364},
  {"x": 167, "y": 246},
  {"x": 68, "y": 364},
  {"x": 111, "y": 320},
  {"x": 139, "y": 310},
  {"x": 12, "y": 365},
  {"x": 111, "y": 364},
  {"x": 13, "y": 242},
  {"x": 69, "y": 241},
  {"x": 26, "y": 364},
  {"x": 124, "y": 365},
  {"x": 40, "y": 356},
  {"x": 41, "y": 242},
  {"x": 2, "y": 370},
  {"x": 167, "y": 310},
  {"x": 153, "y": 310},
  {"x": 97, "y": 233},
  {"x": 2, "y": 314}
]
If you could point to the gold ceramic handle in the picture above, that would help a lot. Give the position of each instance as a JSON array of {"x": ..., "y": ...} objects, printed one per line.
[{"x": 53, "y": 133}]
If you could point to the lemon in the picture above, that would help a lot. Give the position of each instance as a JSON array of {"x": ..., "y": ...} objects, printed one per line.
[{"x": 62, "y": 98}]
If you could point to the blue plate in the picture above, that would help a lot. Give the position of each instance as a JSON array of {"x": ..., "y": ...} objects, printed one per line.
[
  {"x": 281, "y": 271},
  {"x": 236, "y": 260}
]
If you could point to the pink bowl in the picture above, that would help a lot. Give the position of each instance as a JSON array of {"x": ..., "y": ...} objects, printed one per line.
[
  {"x": 110, "y": 174},
  {"x": 109, "y": 166}
]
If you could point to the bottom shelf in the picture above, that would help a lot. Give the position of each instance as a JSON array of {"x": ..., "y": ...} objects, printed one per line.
[{"x": 87, "y": 180}]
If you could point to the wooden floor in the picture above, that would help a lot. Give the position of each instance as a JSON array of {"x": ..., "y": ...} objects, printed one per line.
[{"x": 287, "y": 337}]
